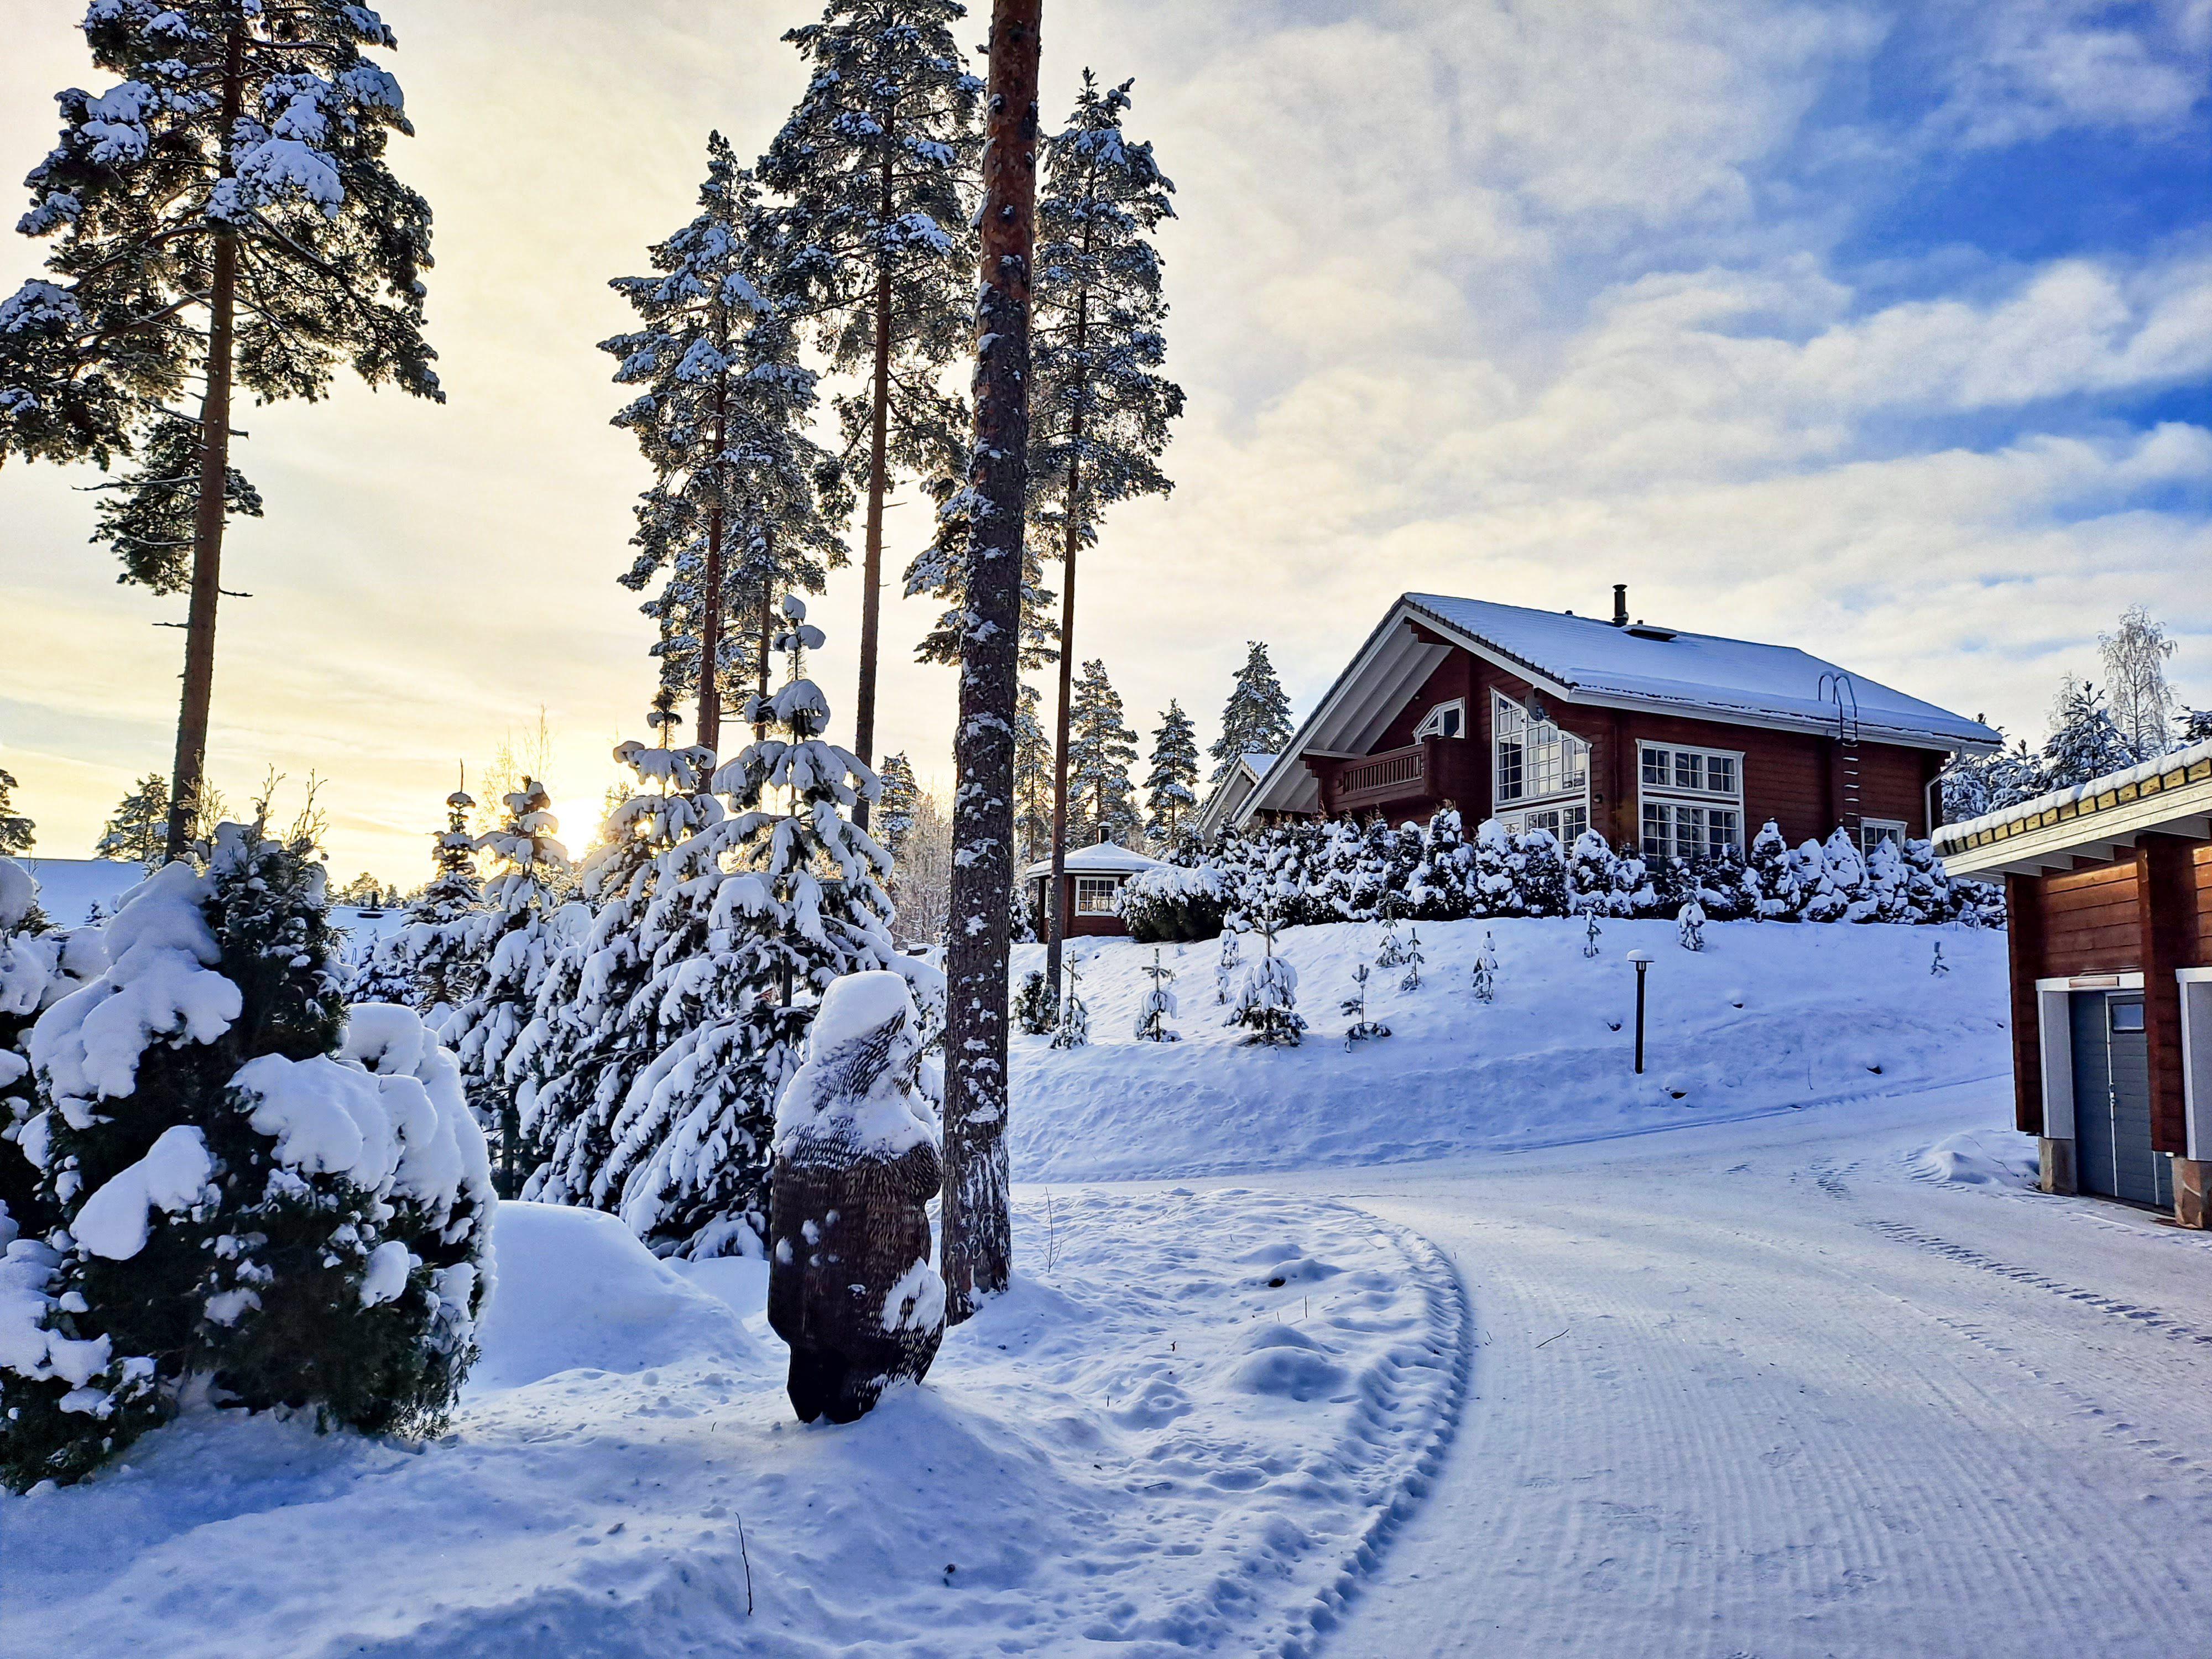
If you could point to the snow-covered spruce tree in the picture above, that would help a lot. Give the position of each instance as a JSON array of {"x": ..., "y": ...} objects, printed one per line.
[
  {"x": 874, "y": 241},
  {"x": 1158, "y": 1005},
  {"x": 1590, "y": 868},
  {"x": 745, "y": 505},
  {"x": 438, "y": 942},
  {"x": 593, "y": 1031},
  {"x": 1484, "y": 977},
  {"x": 2084, "y": 743},
  {"x": 900, "y": 797},
  {"x": 1975, "y": 784},
  {"x": 1100, "y": 796},
  {"x": 1837, "y": 888},
  {"x": 1073, "y": 1028},
  {"x": 39, "y": 964},
  {"x": 1354, "y": 1007},
  {"x": 1171, "y": 786},
  {"x": 2194, "y": 727},
  {"x": 1436, "y": 889},
  {"x": 1033, "y": 774},
  {"x": 1037, "y": 1011},
  {"x": 1495, "y": 887},
  {"x": 1224, "y": 970},
  {"x": 1267, "y": 1006},
  {"x": 261, "y": 1204},
  {"x": 759, "y": 914},
  {"x": 1773, "y": 875},
  {"x": 16, "y": 831},
  {"x": 1414, "y": 960},
  {"x": 137, "y": 831},
  {"x": 1690, "y": 924},
  {"x": 224, "y": 211},
  {"x": 509, "y": 934},
  {"x": 1256, "y": 719}
]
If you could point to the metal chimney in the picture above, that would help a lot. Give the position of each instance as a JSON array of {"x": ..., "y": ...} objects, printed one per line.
[{"x": 1620, "y": 605}]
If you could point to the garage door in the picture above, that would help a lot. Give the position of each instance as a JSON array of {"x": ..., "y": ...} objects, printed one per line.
[{"x": 2111, "y": 1101}]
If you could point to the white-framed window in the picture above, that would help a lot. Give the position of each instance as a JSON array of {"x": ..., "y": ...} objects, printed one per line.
[
  {"x": 1446, "y": 719},
  {"x": 1691, "y": 800},
  {"x": 1540, "y": 774},
  {"x": 1094, "y": 894},
  {"x": 1874, "y": 831}
]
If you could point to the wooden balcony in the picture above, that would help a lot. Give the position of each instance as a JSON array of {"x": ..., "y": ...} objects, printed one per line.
[{"x": 1418, "y": 777}]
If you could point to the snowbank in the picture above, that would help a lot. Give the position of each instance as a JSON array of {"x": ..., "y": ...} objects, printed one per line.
[
  {"x": 1980, "y": 1158},
  {"x": 1768, "y": 1016},
  {"x": 1189, "y": 1426}
]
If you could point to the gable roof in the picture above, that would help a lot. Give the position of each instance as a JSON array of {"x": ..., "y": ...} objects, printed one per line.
[
  {"x": 1237, "y": 786},
  {"x": 2171, "y": 794},
  {"x": 1588, "y": 661}
]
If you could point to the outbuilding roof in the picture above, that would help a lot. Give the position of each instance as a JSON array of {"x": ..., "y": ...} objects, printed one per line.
[{"x": 1103, "y": 858}]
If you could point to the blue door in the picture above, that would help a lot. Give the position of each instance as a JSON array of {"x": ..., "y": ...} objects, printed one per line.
[{"x": 2111, "y": 1101}]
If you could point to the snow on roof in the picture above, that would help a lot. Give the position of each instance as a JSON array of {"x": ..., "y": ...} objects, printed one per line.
[
  {"x": 1955, "y": 834},
  {"x": 1105, "y": 859},
  {"x": 1590, "y": 657},
  {"x": 1258, "y": 763},
  {"x": 69, "y": 888}
]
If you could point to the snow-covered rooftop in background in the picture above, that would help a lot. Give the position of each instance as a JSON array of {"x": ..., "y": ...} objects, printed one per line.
[
  {"x": 69, "y": 888},
  {"x": 1954, "y": 834},
  {"x": 1590, "y": 657},
  {"x": 1259, "y": 761},
  {"x": 1105, "y": 859}
]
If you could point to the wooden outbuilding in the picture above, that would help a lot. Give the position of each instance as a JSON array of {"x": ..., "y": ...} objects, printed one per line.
[
  {"x": 1092, "y": 889},
  {"x": 2108, "y": 888}
]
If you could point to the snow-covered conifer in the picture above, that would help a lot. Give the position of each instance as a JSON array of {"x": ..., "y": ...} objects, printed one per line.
[
  {"x": 39, "y": 964},
  {"x": 745, "y": 505},
  {"x": 1073, "y": 1030},
  {"x": 2195, "y": 726},
  {"x": 2084, "y": 742},
  {"x": 895, "y": 816},
  {"x": 1591, "y": 931},
  {"x": 875, "y": 241},
  {"x": 1485, "y": 971},
  {"x": 1937, "y": 965},
  {"x": 1256, "y": 719},
  {"x": 137, "y": 831},
  {"x": 1032, "y": 783},
  {"x": 1591, "y": 865},
  {"x": 1414, "y": 960},
  {"x": 1690, "y": 926},
  {"x": 1037, "y": 1011},
  {"x": 1267, "y": 1006},
  {"x": 1171, "y": 788},
  {"x": 1839, "y": 891},
  {"x": 1543, "y": 874},
  {"x": 262, "y": 1199},
  {"x": 224, "y": 212},
  {"x": 1773, "y": 874},
  {"x": 1354, "y": 1007},
  {"x": 782, "y": 898},
  {"x": 1393, "y": 951},
  {"x": 509, "y": 936},
  {"x": 1494, "y": 884},
  {"x": 1974, "y": 784},
  {"x": 16, "y": 829},
  {"x": 438, "y": 943},
  {"x": 1435, "y": 887},
  {"x": 1158, "y": 1005},
  {"x": 1100, "y": 797},
  {"x": 1224, "y": 970}
]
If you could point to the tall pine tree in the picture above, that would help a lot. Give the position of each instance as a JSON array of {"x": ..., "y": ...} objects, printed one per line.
[
  {"x": 225, "y": 210},
  {"x": 900, "y": 797},
  {"x": 1171, "y": 788},
  {"x": 875, "y": 240},
  {"x": 437, "y": 944},
  {"x": 1100, "y": 747},
  {"x": 1257, "y": 721},
  {"x": 1100, "y": 407},
  {"x": 745, "y": 504}
]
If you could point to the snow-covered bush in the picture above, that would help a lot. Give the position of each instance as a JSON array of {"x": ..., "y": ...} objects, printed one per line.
[
  {"x": 38, "y": 966},
  {"x": 1690, "y": 926},
  {"x": 1037, "y": 1011},
  {"x": 1171, "y": 905},
  {"x": 258, "y": 1201},
  {"x": 1158, "y": 1005},
  {"x": 1268, "y": 1007}
]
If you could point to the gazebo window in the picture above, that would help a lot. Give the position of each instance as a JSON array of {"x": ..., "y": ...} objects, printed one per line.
[{"x": 1094, "y": 894}]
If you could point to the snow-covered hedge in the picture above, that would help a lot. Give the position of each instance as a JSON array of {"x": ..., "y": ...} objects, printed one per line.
[
  {"x": 1306, "y": 872},
  {"x": 244, "y": 1193}
]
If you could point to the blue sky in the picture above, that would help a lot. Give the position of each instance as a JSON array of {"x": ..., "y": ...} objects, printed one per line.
[{"x": 1880, "y": 329}]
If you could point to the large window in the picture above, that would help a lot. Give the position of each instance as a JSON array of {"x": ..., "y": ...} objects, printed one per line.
[
  {"x": 1692, "y": 801},
  {"x": 1542, "y": 773},
  {"x": 1094, "y": 894}
]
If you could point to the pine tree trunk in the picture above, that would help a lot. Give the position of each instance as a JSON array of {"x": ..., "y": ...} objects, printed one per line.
[
  {"x": 872, "y": 560},
  {"x": 767, "y": 645},
  {"x": 189, "y": 772},
  {"x": 978, "y": 1244},
  {"x": 709, "y": 729},
  {"x": 1056, "y": 927}
]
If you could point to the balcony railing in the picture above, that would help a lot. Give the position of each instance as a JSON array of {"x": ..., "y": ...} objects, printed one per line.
[{"x": 1395, "y": 771}]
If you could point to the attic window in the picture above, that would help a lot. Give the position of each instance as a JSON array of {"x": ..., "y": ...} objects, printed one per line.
[{"x": 1446, "y": 719}]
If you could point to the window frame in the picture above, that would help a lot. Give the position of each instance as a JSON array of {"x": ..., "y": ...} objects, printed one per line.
[
  {"x": 1514, "y": 812},
  {"x": 1431, "y": 721},
  {"x": 1880, "y": 827},
  {"x": 1112, "y": 886},
  {"x": 1668, "y": 800}
]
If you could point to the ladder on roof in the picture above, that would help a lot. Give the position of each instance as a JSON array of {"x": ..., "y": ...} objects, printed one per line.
[{"x": 1837, "y": 687}]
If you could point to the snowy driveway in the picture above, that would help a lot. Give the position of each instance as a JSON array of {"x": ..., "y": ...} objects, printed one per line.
[{"x": 1765, "y": 1391}]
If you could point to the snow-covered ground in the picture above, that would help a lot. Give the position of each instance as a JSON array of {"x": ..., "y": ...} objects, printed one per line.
[
  {"x": 1768, "y": 1018},
  {"x": 1194, "y": 1425}
]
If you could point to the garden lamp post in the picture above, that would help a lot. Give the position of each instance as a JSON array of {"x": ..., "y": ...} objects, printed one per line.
[{"x": 1643, "y": 960}]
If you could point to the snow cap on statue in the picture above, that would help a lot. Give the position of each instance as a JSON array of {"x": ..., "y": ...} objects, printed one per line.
[{"x": 863, "y": 1055}]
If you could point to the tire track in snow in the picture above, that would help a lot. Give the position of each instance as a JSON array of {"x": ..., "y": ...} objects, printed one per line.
[
  {"x": 1451, "y": 1343},
  {"x": 2134, "y": 1314}
]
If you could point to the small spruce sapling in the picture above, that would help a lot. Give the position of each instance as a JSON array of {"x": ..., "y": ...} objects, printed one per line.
[
  {"x": 1158, "y": 1005},
  {"x": 1269, "y": 1003},
  {"x": 1037, "y": 1011},
  {"x": 1413, "y": 959},
  {"x": 1591, "y": 931},
  {"x": 1225, "y": 970},
  {"x": 1939, "y": 966},
  {"x": 1393, "y": 954},
  {"x": 1074, "y": 1029},
  {"x": 1485, "y": 972},
  {"x": 1690, "y": 926},
  {"x": 1364, "y": 1030}
]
